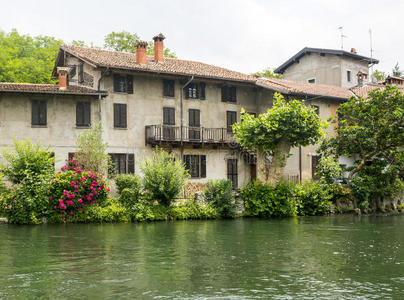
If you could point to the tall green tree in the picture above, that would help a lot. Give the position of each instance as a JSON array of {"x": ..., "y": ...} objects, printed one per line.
[
  {"x": 287, "y": 124},
  {"x": 126, "y": 42},
  {"x": 27, "y": 59},
  {"x": 371, "y": 128},
  {"x": 267, "y": 73}
]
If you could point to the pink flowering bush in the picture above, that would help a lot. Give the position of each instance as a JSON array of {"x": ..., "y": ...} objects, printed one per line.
[{"x": 72, "y": 191}]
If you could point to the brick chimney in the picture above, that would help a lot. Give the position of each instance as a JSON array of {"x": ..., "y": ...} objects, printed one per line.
[
  {"x": 159, "y": 47},
  {"x": 141, "y": 52},
  {"x": 63, "y": 77},
  {"x": 353, "y": 50}
]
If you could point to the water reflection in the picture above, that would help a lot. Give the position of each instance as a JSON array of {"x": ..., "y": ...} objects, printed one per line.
[{"x": 319, "y": 257}]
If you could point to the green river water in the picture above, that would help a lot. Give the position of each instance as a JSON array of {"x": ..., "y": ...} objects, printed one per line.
[{"x": 336, "y": 257}]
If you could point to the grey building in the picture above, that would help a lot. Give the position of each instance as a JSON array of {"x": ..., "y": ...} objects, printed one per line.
[{"x": 326, "y": 66}]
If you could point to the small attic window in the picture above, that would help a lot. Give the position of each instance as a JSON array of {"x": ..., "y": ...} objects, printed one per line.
[
  {"x": 311, "y": 80},
  {"x": 322, "y": 54}
]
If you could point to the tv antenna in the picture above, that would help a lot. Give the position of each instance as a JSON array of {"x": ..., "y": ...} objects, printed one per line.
[
  {"x": 340, "y": 28},
  {"x": 371, "y": 52}
]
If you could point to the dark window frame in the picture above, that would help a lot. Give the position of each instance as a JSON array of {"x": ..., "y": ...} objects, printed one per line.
[
  {"x": 39, "y": 113},
  {"x": 195, "y": 91},
  {"x": 231, "y": 118},
  {"x": 229, "y": 93},
  {"x": 311, "y": 80},
  {"x": 120, "y": 116},
  {"x": 83, "y": 114},
  {"x": 124, "y": 163},
  {"x": 195, "y": 164},
  {"x": 168, "y": 115},
  {"x": 348, "y": 76},
  {"x": 169, "y": 88},
  {"x": 123, "y": 83},
  {"x": 232, "y": 171}
]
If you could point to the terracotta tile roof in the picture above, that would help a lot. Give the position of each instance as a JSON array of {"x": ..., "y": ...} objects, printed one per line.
[
  {"x": 297, "y": 87},
  {"x": 47, "y": 89},
  {"x": 364, "y": 90},
  {"x": 124, "y": 60}
]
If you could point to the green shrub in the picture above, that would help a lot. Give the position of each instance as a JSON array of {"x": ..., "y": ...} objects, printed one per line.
[
  {"x": 264, "y": 200},
  {"x": 328, "y": 169},
  {"x": 127, "y": 181},
  {"x": 27, "y": 202},
  {"x": 164, "y": 177},
  {"x": 219, "y": 193},
  {"x": 111, "y": 212},
  {"x": 26, "y": 160},
  {"x": 129, "y": 187},
  {"x": 192, "y": 209},
  {"x": 315, "y": 198},
  {"x": 72, "y": 191},
  {"x": 30, "y": 168},
  {"x": 146, "y": 211}
]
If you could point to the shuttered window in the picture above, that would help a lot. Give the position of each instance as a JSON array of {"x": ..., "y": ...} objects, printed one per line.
[
  {"x": 196, "y": 165},
  {"x": 83, "y": 114},
  {"x": 168, "y": 116},
  {"x": 124, "y": 163},
  {"x": 195, "y": 90},
  {"x": 39, "y": 112},
  {"x": 123, "y": 83},
  {"x": 194, "y": 124},
  {"x": 80, "y": 73},
  {"x": 231, "y": 118},
  {"x": 120, "y": 115},
  {"x": 232, "y": 173},
  {"x": 229, "y": 93},
  {"x": 168, "y": 88}
]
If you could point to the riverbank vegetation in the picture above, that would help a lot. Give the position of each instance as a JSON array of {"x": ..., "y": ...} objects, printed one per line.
[{"x": 370, "y": 130}]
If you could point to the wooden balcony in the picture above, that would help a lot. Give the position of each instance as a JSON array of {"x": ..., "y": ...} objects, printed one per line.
[{"x": 198, "y": 136}]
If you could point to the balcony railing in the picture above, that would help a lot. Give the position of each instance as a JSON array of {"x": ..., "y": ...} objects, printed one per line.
[{"x": 166, "y": 134}]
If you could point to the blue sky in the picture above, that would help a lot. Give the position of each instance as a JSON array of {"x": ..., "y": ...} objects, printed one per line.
[{"x": 243, "y": 35}]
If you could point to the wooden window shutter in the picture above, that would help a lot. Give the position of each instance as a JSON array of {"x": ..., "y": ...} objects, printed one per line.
[
  {"x": 197, "y": 118},
  {"x": 233, "y": 94},
  {"x": 117, "y": 79},
  {"x": 171, "y": 116},
  {"x": 129, "y": 84},
  {"x": 165, "y": 116},
  {"x": 80, "y": 73},
  {"x": 124, "y": 122},
  {"x": 35, "y": 112},
  {"x": 202, "y": 86},
  {"x": 87, "y": 114},
  {"x": 116, "y": 115},
  {"x": 131, "y": 163},
  {"x": 224, "y": 93},
  {"x": 203, "y": 166},
  {"x": 42, "y": 113},
  {"x": 79, "y": 114},
  {"x": 187, "y": 162},
  {"x": 191, "y": 118}
]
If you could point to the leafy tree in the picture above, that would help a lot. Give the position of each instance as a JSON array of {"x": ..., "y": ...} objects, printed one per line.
[
  {"x": 268, "y": 73},
  {"x": 126, "y": 42},
  {"x": 91, "y": 152},
  {"x": 396, "y": 71},
  {"x": 379, "y": 75},
  {"x": 328, "y": 169},
  {"x": 369, "y": 129},
  {"x": 27, "y": 59},
  {"x": 285, "y": 125},
  {"x": 219, "y": 193}
]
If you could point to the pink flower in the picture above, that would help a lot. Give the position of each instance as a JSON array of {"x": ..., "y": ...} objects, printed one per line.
[
  {"x": 108, "y": 190},
  {"x": 71, "y": 213},
  {"x": 95, "y": 192},
  {"x": 54, "y": 207},
  {"x": 80, "y": 201},
  {"x": 80, "y": 208},
  {"x": 98, "y": 188},
  {"x": 65, "y": 192},
  {"x": 50, "y": 198}
]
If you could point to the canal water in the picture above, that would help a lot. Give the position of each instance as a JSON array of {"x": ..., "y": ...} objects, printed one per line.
[{"x": 337, "y": 257}]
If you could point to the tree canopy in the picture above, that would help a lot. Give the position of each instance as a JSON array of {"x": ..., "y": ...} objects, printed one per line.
[
  {"x": 267, "y": 73},
  {"x": 371, "y": 128},
  {"x": 27, "y": 59},
  {"x": 286, "y": 124},
  {"x": 379, "y": 75},
  {"x": 126, "y": 42},
  {"x": 396, "y": 71},
  {"x": 31, "y": 59}
]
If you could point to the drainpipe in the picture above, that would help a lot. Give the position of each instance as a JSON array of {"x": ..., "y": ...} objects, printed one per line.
[{"x": 182, "y": 114}]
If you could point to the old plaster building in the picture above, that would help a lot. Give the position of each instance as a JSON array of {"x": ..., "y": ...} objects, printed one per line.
[
  {"x": 186, "y": 107},
  {"x": 327, "y": 66}
]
